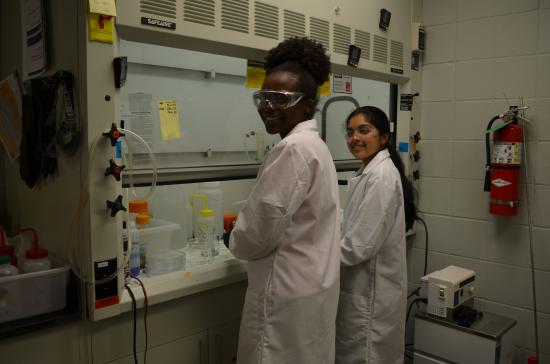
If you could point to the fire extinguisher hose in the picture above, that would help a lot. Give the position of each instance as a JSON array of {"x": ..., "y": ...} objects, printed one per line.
[{"x": 487, "y": 184}]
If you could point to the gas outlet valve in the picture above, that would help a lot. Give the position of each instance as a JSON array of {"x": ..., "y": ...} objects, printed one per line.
[
  {"x": 116, "y": 205},
  {"x": 113, "y": 134},
  {"x": 114, "y": 169}
]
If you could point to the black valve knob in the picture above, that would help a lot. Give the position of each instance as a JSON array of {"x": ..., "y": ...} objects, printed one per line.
[
  {"x": 113, "y": 134},
  {"x": 416, "y": 156},
  {"x": 114, "y": 169},
  {"x": 116, "y": 205},
  {"x": 416, "y": 175},
  {"x": 416, "y": 137}
]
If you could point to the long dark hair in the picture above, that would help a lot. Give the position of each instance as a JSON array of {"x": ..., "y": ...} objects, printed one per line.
[{"x": 378, "y": 119}]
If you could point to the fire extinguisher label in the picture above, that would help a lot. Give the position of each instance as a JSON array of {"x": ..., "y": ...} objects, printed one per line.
[
  {"x": 506, "y": 153},
  {"x": 499, "y": 182}
]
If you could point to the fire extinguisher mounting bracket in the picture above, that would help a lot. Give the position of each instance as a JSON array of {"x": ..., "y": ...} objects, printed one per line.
[{"x": 492, "y": 130}]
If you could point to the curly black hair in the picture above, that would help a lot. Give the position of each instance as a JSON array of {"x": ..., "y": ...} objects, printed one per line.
[{"x": 304, "y": 57}]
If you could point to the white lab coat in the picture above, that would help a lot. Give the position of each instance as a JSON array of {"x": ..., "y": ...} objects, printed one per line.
[
  {"x": 370, "y": 325},
  {"x": 289, "y": 232}
]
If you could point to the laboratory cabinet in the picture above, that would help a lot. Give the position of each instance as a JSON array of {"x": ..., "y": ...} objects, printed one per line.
[
  {"x": 189, "y": 350},
  {"x": 222, "y": 343},
  {"x": 214, "y": 346},
  {"x": 200, "y": 328}
]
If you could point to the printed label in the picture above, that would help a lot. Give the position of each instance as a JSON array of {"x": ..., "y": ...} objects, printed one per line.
[
  {"x": 506, "y": 153},
  {"x": 158, "y": 23}
]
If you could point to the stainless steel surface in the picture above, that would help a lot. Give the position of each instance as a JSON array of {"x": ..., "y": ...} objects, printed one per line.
[{"x": 490, "y": 326}]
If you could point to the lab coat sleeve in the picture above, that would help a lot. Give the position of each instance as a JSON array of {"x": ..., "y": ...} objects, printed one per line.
[
  {"x": 370, "y": 226},
  {"x": 280, "y": 190}
]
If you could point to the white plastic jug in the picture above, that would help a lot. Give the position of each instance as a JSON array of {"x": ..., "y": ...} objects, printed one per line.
[{"x": 214, "y": 201}]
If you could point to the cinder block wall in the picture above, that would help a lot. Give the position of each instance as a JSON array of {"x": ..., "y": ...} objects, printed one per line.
[{"x": 482, "y": 56}]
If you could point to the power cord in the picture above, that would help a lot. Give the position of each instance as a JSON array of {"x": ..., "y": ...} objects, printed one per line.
[
  {"x": 425, "y": 250},
  {"x": 415, "y": 292},
  {"x": 146, "y": 303},
  {"x": 134, "y": 309},
  {"x": 418, "y": 299}
]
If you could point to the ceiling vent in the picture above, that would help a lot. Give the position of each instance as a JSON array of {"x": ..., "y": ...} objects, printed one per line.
[
  {"x": 295, "y": 24},
  {"x": 235, "y": 15},
  {"x": 165, "y": 8},
  {"x": 198, "y": 11},
  {"x": 380, "y": 49},
  {"x": 342, "y": 39},
  {"x": 362, "y": 40},
  {"x": 396, "y": 54},
  {"x": 319, "y": 30},
  {"x": 266, "y": 20}
]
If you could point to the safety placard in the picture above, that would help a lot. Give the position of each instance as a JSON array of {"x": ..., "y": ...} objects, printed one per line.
[{"x": 506, "y": 153}]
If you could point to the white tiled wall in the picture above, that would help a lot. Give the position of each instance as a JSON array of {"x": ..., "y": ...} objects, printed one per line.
[{"x": 482, "y": 56}]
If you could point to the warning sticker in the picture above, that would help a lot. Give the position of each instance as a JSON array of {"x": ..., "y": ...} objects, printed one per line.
[
  {"x": 500, "y": 182},
  {"x": 506, "y": 153}
]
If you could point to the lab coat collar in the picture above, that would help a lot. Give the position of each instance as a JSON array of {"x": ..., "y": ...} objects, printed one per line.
[
  {"x": 304, "y": 125},
  {"x": 378, "y": 158}
]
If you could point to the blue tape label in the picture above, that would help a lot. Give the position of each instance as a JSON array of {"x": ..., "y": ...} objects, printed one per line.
[
  {"x": 403, "y": 147},
  {"x": 118, "y": 149}
]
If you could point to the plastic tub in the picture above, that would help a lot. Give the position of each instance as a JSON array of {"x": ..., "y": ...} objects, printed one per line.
[
  {"x": 31, "y": 294},
  {"x": 165, "y": 262},
  {"x": 157, "y": 235}
]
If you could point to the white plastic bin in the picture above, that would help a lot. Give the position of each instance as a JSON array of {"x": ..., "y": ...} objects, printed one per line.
[
  {"x": 29, "y": 294},
  {"x": 157, "y": 235}
]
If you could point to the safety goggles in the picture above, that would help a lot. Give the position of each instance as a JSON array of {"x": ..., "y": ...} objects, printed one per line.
[
  {"x": 361, "y": 131},
  {"x": 276, "y": 99}
]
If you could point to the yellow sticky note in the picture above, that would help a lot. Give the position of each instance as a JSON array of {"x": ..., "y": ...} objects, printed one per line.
[
  {"x": 105, "y": 7},
  {"x": 100, "y": 28},
  {"x": 324, "y": 89},
  {"x": 255, "y": 74},
  {"x": 169, "y": 119}
]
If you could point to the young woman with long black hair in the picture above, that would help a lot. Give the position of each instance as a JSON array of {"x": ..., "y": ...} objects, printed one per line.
[{"x": 370, "y": 325}]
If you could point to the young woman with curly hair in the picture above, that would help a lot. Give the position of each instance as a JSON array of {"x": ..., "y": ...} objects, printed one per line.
[{"x": 289, "y": 228}]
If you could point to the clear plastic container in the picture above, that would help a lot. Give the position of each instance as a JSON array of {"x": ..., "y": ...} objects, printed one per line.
[
  {"x": 6, "y": 269},
  {"x": 36, "y": 260},
  {"x": 165, "y": 262},
  {"x": 205, "y": 230},
  {"x": 142, "y": 222},
  {"x": 133, "y": 260},
  {"x": 157, "y": 235}
]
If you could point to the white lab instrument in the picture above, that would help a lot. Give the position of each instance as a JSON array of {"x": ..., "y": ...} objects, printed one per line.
[{"x": 447, "y": 289}]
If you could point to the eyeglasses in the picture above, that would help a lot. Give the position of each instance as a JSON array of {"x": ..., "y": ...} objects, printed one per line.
[
  {"x": 277, "y": 99},
  {"x": 361, "y": 131}
]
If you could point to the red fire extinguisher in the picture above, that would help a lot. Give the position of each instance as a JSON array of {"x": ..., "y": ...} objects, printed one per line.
[{"x": 503, "y": 168}]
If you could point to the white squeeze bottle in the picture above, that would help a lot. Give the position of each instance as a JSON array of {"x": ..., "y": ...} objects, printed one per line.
[
  {"x": 6, "y": 269},
  {"x": 214, "y": 196}
]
